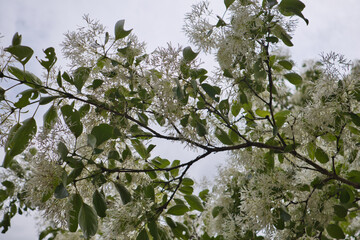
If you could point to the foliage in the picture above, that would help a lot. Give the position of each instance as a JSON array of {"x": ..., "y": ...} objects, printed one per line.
[{"x": 291, "y": 136}]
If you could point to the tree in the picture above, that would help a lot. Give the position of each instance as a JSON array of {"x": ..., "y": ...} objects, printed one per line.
[{"x": 292, "y": 137}]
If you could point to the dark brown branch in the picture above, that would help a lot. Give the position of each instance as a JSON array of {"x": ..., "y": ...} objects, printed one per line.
[
  {"x": 206, "y": 148},
  {"x": 163, "y": 207},
  {"x": 331, "y": 175}
]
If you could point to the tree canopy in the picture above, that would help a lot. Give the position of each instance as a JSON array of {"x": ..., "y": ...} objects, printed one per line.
[{"x": 78, "y": 143}]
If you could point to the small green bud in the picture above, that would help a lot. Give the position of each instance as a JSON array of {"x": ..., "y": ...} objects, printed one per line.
[{"x": 16, "y": 39}]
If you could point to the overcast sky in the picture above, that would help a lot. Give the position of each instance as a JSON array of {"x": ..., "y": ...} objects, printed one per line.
[{"x": 334, "y": 26}]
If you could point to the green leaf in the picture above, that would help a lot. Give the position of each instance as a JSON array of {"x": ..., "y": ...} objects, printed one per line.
[
  {"x": 47, "y": 195},
  {"x": 279, "y": 224},
  {"x": 140, "y": 148},
  {"x": 61, "y": 192},
  {"x": 321, "y": 156},
  {"x": 187, "y": 181},
  {"x": 106, "y": 37},
  {"x": 235, "y": 108},
  {"x": 143, "y": 235},
  {"x": 259, "y": 71},
  {"x": 46, "y": 100},
  {"x": 346, "y": 195},
  {"x": 275, "y": 130},
  {"x": 153, "y": 228},
  {"x": 185, "y": 120},
  {"x": 149, "y": 192},
  {"x": 11, "y": 135},
  {"x": 103, "y": 132},
  {"x": 114, "y": 155},
  {"x": 62, "y": 150},
  {"x": 175, "y": 172},
  {"x": 335, "y": 231},
  {"x": 99, "y": 204},
  {"x": 181, "y": 231},
  {"x": 292, "y": 7},
  {"x": 119, "y": 30},
  {"x": 16, "y": 40},
  {"x": 354, "y": 130},
  {"x": 150, "y": 148},
  {"x": 128, "y": 177},
  {"x": 283, "y": 35},
  {"x": 216, "y": 210},
  {"x": 271, "y": 3},
  {"x": 2, "y": 92},
  {"x": 50, "y": 117},
  {"x": 51, "y": 56},
  {"x": 293, "y": 78},
  {"x": 160, "y": 162},
  {"x": 25, "y": 98},
  {"x": 170, "y": 222},
  {"x": 186, "y": 190},
  {"x": 223, "y": 136},
  {"x": 220, "y": 23},
  {"x": 96, "y": 83},
  {"x": 290, "y": 148},
  {"x": 189, "y": 54},
  {"x": 284, "y": 215},
  {"x": 204, "y": 194},
  {"x": 151, "y": 174},
  {"x": 88, "y": 220},
  {"x": 126, "y": 153},
  {"x": 84, "y": 109},
  {"x": 74, "y": 174},
  {"x": 286, "y": 64},
  {"x": 228, "y": 3},
  {"x": 262, "y": 113},
  {"x": 81, "y": 75},
  {"x": 67, "y": 78},
  {"x": 21, "y": 139},
  {"x": 272, "y": 60},
  {"x": 5, "y": 223},
  {"x": 311, "y": 148},
  {"x": 49, "y": 233},
  {"x": 280, "y": 118},
  {"x": 355, "y": 119},
  {"x": 194, "y": 202},
  {"x": 59, "y": 80},
  {"x": 354, "y": 175},
  {"x": 178, "y": 210},
  {"x": 269, "y": 160},
  {"x": 224, "y": 107},
  {"x": 283, "y": 113},
  {"x": 200, "y": 129},
  {"x": 272, "y": 39},
  {"x": 75, "y": 201},
  {"x": 124, "y": 193},
  {"x": 210, "y": 90},
  {"x": 100, "y": 63},
  {"x": 280, "y": 157},
  {"x": 72, "y": 120},
  {"x": 74, "y": 162},
  {"x": 143, "y": 118},
  {"x": 340, "y": 211},
  {"x": 10, "y": 187},
  {"x": 25, "y": 76},
  {"x": 21, "y": 53}
]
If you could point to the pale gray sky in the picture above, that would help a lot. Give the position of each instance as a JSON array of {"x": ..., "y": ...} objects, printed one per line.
[{"x": 333, "y": 27}]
